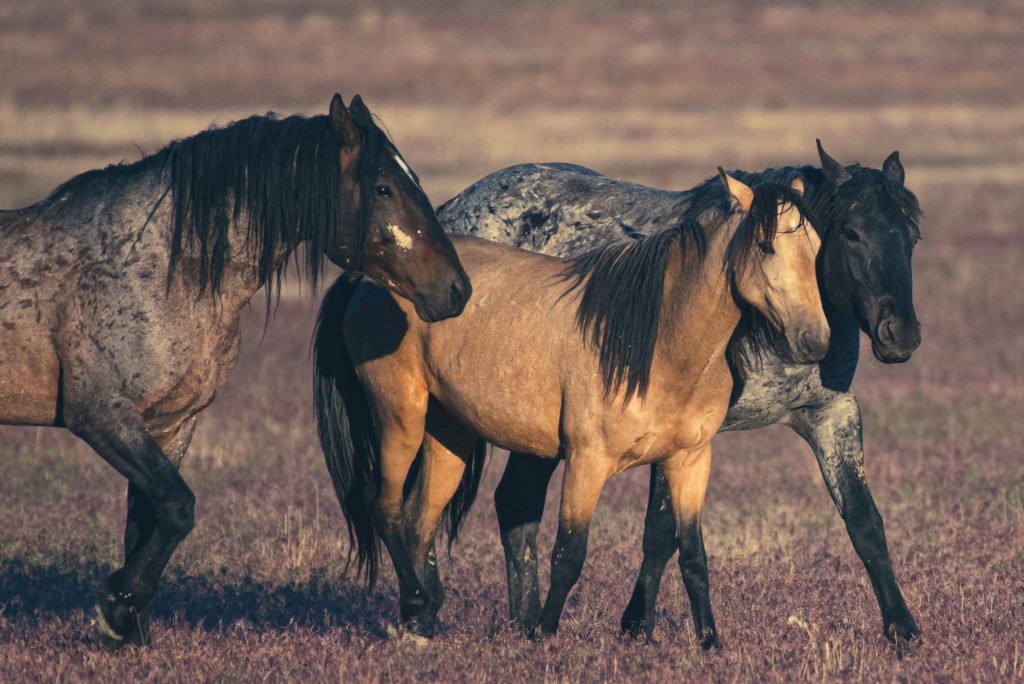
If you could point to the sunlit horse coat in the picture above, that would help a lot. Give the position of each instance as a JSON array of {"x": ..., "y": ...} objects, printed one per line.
[{"x": 868, "y": 224}]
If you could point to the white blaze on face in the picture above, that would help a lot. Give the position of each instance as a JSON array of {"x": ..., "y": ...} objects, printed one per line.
[{"x": 402, "y": 239}]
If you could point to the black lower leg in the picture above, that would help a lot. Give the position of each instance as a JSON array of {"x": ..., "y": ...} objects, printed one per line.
[
  {"x": 567, "y": 560},
  {"x": 693, "y": 563},
  {"x": 413, "y": 597},
  {"x": 432, "y": 580},
  {"x": 519, "y": 501},
  {"x": 867, "y": 532},
  {"x": 659, "y": 545},
  {"x": 162, "y": 517}
]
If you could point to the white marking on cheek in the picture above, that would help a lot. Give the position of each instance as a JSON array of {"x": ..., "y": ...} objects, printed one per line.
[{"x": 403, "y": 240}]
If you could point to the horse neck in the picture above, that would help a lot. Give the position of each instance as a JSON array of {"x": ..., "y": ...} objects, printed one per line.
[
  {"x": 698, "y": 312},
  {"x": 240, "y": 279},
  {"x": 819, "y": 194}
]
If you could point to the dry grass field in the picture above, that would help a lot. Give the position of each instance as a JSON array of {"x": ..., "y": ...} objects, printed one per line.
[{"x": 659, "y": 93}]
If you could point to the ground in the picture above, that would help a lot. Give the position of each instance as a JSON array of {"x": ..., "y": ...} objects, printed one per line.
[{"x": 659, "y": 93}]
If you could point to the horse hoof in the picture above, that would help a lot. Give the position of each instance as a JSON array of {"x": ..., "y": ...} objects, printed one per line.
[
  {"x": 637, "y": 630},
  {"x": 541, "y": 633},
  {"x": 901, "y": 633},
  {"x": 109, "y": 639},
  {"x": 710, "y": 641},
  {"x": 409, "y": 633}
]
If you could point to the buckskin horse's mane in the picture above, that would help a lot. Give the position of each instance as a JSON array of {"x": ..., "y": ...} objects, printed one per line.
[
  {"x": 622, "y": 284},
  {"x": 282, "y": 176}
]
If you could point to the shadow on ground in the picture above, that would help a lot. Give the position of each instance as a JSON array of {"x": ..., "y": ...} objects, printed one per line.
[{"x": 33, "y": 593}]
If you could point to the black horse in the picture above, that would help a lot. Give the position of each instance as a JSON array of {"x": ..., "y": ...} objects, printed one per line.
[
  {"x": 868, "y": 222},
  {"x": 120, "y": 296}
]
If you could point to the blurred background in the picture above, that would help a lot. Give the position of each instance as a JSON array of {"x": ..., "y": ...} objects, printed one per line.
[{"x": 655, "y": 92}]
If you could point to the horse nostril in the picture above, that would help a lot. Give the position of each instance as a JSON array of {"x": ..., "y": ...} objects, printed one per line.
[
  {"x": 885, "y": 332},
  {"x": 806, "y": 343},
  {"x": 456, "y": 295}
]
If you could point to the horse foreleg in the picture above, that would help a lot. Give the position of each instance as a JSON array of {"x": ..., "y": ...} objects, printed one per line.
[
  {"x": 581, "y": 489},
  {"x": 687, "y": 476},
  {"x": 444, "y": 461},
  {"x": 401, "y": 434},
  {"x": 119, "y": 436},
  {"x": 659, "y": 546},
  {"x": 141, "y": 516},
  {"x": 519, "y": 502},
  {"x": 834, "y": 433}
]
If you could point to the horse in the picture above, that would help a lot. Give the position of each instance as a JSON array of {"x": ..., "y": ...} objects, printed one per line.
[
  {"x": 868, "y": 221},
  {"x": 122, "y": 291},
  {"x": 631, "y": 333}
]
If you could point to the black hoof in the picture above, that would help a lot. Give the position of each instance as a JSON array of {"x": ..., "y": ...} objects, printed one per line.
[
  {"x": 116, "y": 625},
  {"x": 423, "y": 626},
  {"x": 539, "y": 633},
  {"x": 709, "y": 641},
  {"x": 901, "y": 633},
  {"x": 637, "y": 630}
]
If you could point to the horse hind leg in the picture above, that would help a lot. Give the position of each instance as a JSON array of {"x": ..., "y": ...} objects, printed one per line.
[
  {"x": 447, "y": 449},
  {"x": 519, "y": 502},
  {"x": 119, "y": 436}
]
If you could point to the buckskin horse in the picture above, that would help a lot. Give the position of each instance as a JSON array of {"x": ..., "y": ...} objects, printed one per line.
[
  {"x": 610, "y": 360},
  {"x": 868, "y": 222},
  {"x": 120, "y": 296}
]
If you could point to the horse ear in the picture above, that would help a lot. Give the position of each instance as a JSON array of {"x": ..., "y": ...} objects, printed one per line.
[
  {"x": 834, "y": 171},
  {"x": 893, "y": 168},
  {"x": 738, "y": 189},
  {"x": 341, "y": 122},
  {"x": 797, "y": 185},
  {"x": 359, "y": 110}
]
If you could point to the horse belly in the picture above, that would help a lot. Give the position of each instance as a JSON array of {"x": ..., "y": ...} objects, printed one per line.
[
  {"x": 29, "y": 376},
  {"x": 503, "y": 414}
]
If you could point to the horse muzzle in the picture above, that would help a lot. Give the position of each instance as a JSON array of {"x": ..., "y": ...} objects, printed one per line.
[
  {"x": 895, "y": 338},
  {"x": 443, "y": 302},
  {"x": 810, "y": 343}
]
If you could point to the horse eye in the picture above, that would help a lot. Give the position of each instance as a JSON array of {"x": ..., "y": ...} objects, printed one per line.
[
  {"x": 766, "y": 247},
  {"x": 851, "y": 235},
  {"x": 382, "y": 191}
]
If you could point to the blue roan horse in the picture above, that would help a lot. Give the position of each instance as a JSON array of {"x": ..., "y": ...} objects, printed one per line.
[
  {"x": 120, "y": 296},
  {"x": 868, "y": 223}
]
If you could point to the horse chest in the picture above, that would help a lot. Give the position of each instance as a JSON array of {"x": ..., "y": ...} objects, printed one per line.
[{"x": 774, "y": 388}]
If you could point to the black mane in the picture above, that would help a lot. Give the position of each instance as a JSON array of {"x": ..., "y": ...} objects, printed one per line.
[
  {"x": 282, "y": 176},
  {"x": 622, "y": 284}
]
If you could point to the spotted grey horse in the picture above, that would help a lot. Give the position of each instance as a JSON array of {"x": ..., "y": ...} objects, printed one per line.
[
  {"x": 121, "y": 295},
  {"x": 868, "y": 223}
]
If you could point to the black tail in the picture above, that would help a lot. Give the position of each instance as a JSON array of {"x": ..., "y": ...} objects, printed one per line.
[
  {"x": 465, "y": 495},
  {"x": 345, "y": 426}
]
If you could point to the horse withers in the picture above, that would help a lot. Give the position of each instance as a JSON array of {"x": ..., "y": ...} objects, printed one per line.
[
  {"x": 632, "y": 333},
  {"x": 120, "y": 295}
]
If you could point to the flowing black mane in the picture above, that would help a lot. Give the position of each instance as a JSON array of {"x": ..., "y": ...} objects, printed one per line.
[
  {"x": 282, "y": 176},
  {"x": 622, "y": 284}
]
